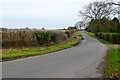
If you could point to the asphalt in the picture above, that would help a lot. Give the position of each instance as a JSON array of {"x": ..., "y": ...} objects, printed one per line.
[{"x": 81, "y": 61}]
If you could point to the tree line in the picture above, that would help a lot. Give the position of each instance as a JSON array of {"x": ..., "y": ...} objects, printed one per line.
[
  {"x": 98, "y": 15},
  {"x": 104, "y": 25}
]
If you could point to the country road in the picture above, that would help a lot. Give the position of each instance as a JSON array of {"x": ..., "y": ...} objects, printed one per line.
[{"x": 81, "y": 61}]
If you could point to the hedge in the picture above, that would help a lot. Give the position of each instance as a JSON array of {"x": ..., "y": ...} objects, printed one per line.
[
  {"x": 111, "y": 37},
  {"x": 29, "y": 38}
]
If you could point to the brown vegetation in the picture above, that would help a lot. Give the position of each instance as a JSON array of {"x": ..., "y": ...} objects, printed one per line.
[{"x": 30, "y": 38}]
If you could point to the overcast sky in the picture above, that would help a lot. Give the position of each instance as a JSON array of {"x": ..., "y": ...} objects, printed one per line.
[{"x": 50, "y": 14}]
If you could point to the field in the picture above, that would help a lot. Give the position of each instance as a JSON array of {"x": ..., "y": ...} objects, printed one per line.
[{"x": 36, "y": 42}]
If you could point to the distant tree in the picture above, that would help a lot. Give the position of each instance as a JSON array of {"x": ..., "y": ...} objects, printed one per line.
[
  {"x": 63, "y": 28},
  {"x": 34, "y": 29},
  {"x": 27, "y": 28},
  {"x": 43, "y": 28},
  {"x": 3, "y": 29},
  {"x": 79, "y": 24},
  {"x": 72, "y": 28}
]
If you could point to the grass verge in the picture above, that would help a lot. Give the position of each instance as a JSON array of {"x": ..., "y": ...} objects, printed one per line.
[
  {"x": 112, "y": 66},
  {"x": 11, "y": 54}
]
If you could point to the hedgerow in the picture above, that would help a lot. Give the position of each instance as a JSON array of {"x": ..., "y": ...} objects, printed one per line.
[
  {"x": 29, "y": 38},
  {"x": 111, "y": 37}
]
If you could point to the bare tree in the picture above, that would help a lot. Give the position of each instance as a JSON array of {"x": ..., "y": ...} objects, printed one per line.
[
  {"x": 79, "y": 24},
  {"x": 98, "y": 10},
  {"x": 117, "y": 4},
  {"x": 111, "y": 2}
]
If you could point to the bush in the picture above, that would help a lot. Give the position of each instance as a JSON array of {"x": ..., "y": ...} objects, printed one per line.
[
  {"x": 102, "y": 36},
  {"x": 107, "y": 36},
  {"x": 99, "y": 35},
  {"x": 111, "y": 37},
  {"x": 29, "y": 38},
  {"x": 69, "y": 33},
  {"x": 115, "y": 38},
  {"x": 96, "y": 34}
]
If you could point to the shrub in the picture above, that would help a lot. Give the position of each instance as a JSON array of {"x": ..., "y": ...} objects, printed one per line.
[
  {"x": 115, "y": 38},
  {"x": 102, "y": 36},
  {"x": 29, "y": 38},
  {"x": 96, "y": 34},
  {"x": 69, "y": 33},
  {"x": 111, "y": 37},
  {"x": 107, "y": 36},
  {"x": 99, "y": 35}
]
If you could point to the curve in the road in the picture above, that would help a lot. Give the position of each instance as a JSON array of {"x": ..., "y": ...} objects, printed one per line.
[{"x": 80, "y": 61}]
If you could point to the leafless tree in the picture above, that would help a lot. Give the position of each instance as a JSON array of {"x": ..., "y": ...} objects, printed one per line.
[
  {"x": 117, "y": 4},
  {"x": 111, "y": 2},
  {"x": 79, "y": 24},
  {"x": 98, "y": 10}
]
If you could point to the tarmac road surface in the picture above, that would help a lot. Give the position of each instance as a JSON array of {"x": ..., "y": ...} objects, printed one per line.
[{"x": 81, "y": 61}]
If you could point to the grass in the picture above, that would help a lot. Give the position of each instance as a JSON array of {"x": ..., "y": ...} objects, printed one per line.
[
  {"x": 15, "y": 53},
  {"x": 101, "y": 40},
  {"x": 112, "y": 62}
]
